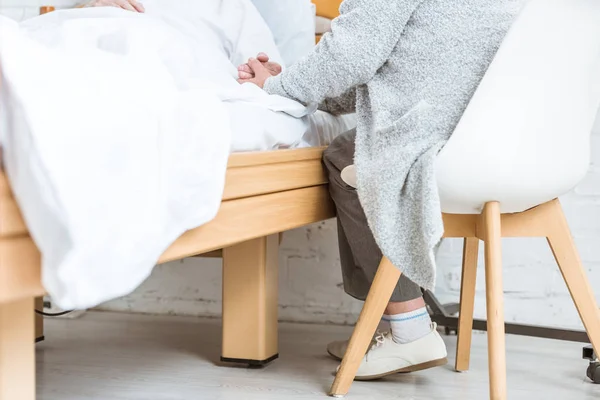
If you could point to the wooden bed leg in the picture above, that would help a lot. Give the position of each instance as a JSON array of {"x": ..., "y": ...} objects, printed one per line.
[
  {"x": 39, "y": 319},
  {"x": 250, "y": 280},
  {"x": 17, "y": 351}
]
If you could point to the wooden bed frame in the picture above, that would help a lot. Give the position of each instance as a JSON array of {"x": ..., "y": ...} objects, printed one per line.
[{"x": 266, "y": 193}]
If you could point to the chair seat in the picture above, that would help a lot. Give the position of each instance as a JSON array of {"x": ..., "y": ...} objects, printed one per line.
[
  {"x": 467, "y": 180},
  {"x": 465, "y": 185}
]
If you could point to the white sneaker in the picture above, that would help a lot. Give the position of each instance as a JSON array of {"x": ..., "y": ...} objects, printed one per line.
[
  {"x": 338, "y": 348},
  {"x": 387, "y": 357}
]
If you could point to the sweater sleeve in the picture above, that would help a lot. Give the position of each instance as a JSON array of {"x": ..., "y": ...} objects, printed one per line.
[
  {"x": 344, "y": 104},
  {"x": 361, "y": 40}
]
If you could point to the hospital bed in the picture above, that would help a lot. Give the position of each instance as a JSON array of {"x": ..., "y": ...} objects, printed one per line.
[{"x": 266, "y": 193}]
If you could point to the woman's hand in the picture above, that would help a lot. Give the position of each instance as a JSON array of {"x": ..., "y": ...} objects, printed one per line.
[
  {"x": 131, "y": 5},
  {"x": 258, "y": 70}
]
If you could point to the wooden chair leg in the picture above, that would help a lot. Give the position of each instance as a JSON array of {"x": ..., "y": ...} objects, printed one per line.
[
  {"x": 467, "y": 303},
  {"x": 17, "y": 351},
  {"x": 379, "y": 296},
  {"x": 567, "y": 257},
  {"x": 39, "y": 320},
  {"x": 495, "y": 303},
  {"x": 250, "y": 280}
]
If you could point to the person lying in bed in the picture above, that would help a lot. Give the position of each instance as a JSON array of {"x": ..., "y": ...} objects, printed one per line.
[{"x": 408, "y": 68}]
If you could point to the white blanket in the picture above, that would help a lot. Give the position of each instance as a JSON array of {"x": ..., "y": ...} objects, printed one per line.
[{"x": 116, "y": 129}]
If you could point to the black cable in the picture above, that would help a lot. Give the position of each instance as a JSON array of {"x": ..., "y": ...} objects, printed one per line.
[{"x": 60, "y": 314}]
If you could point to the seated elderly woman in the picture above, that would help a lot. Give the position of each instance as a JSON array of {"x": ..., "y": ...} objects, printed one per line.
[{"x": 408, "y": 68}]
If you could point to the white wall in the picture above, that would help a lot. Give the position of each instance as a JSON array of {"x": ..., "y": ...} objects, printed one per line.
[{"x": 310, "y": 279}]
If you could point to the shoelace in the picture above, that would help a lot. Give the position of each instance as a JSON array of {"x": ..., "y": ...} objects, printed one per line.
[{"x": 379, "y": 338}]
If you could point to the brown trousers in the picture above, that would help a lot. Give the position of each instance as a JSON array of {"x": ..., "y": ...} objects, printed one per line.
[{"x": 359, "y": 253}]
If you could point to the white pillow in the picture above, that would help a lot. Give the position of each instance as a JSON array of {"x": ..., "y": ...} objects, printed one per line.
[{"x": 293, "y": 25}]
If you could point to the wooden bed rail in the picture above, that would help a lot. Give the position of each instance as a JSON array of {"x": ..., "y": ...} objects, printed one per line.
[
  {"x": 46, "y": 9},
  {"x": 265, "y": 193}
]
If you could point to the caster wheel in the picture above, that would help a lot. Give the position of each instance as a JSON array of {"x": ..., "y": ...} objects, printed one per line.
[{"x": 593, "y": 372}]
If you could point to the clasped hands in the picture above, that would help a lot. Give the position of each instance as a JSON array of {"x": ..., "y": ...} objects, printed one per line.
[{"x": 258, "y": 70}]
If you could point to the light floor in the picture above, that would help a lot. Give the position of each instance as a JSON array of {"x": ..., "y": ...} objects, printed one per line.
[{"x": 104, "y": 356}]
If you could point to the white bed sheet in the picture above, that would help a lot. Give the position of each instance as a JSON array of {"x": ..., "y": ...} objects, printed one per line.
[
  {"x": 116, "y": 129},
  {"x": 320, "y": 130},
  {"x": 324, "y": 128}
]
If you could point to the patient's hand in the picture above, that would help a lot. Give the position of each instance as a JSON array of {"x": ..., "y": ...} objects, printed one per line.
[
  {"x": 261, "y": 73},
  {"x": 131, "y": 5},
  {"x": 245, "y": 72}
]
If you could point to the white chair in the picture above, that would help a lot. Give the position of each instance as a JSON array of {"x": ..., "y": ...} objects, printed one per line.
[{"x": 523, "y": 141}]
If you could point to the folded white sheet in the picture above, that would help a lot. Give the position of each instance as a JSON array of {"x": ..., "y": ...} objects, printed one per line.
[
  {"x": 324, "y": 127},
  {"x": 116, "y": 129}
]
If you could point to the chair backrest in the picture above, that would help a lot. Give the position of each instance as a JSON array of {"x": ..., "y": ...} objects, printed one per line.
[{"x": 532, "y": 115}]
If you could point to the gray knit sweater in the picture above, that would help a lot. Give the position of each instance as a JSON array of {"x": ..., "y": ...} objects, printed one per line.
[{"x": 408, "y": 68}]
